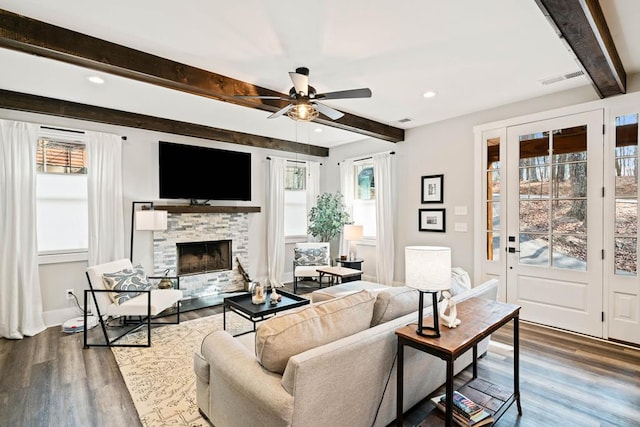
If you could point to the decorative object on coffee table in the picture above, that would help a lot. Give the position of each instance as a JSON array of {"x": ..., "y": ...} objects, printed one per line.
[
  {"x": 257, "y": 294},
  {"x": 428, "y": 269}
]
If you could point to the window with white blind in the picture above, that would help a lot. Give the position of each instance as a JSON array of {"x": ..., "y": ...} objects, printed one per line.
[
  {"x": 295, "y": 199},
  {"x": 61, "y": 193},
  {"x": 364, "y": 203}
]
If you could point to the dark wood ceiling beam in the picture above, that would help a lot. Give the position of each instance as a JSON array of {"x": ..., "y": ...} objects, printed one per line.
[
  {"x": 585, "y": 32},
  {"x": 39, "y": 38},
  {"x": 73, "y": 110}
]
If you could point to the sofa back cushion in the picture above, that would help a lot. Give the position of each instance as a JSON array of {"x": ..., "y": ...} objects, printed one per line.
[{"x": 295, "y": 331}]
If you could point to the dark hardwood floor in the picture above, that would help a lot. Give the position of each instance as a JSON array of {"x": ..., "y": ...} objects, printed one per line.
[{"x": 565, "y": 380}]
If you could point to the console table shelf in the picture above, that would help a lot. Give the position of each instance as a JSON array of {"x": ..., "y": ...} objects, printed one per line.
[{"x": 206, "y": 209}]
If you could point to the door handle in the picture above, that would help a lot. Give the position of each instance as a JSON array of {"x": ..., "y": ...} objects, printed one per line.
[{"x": 512, "y": 250}]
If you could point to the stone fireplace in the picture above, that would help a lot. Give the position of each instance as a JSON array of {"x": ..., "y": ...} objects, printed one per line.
[{"x": 202, "y": 248}]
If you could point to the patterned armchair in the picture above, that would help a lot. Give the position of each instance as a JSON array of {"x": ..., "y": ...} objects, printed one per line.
[{"x": 307, "y": 258}]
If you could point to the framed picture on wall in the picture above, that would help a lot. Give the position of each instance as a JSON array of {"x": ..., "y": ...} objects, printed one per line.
[
  {"x": 432, "y": 189},
  {"x": 432, "y": 220}
]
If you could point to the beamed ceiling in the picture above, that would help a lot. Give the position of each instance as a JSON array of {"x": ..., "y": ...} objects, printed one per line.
[{"x": 573, "y": 35}]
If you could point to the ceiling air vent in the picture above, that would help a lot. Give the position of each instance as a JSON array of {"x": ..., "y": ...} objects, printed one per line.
[{"x": 560, "y": 78}]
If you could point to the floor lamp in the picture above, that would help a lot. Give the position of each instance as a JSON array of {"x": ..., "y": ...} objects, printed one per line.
[
  {"x": 150, "y": 220},
  {"x": 428, "y": 269}
]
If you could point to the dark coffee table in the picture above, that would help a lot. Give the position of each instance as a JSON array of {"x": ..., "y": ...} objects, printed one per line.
[{"x": 241, "y": 304}]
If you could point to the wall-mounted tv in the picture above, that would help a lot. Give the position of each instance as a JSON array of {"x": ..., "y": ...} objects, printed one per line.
[{"x": 203, "y": 173}]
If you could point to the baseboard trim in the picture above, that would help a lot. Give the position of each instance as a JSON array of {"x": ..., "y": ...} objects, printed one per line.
[{"x": 58, "y": 317}]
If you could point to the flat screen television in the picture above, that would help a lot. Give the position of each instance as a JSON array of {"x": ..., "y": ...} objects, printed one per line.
[{"x": 203, "y": 173}]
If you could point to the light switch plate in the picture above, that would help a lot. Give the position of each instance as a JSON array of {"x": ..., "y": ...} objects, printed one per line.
[
  {"x": 460, "y": 226},
  {"x": 460, "y": 210}
]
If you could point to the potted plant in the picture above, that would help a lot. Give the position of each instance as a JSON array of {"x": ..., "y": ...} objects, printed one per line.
[{"x": 327, "y": 218}]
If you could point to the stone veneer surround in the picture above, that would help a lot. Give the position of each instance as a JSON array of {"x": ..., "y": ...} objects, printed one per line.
[{"x": 195, "y": 227}]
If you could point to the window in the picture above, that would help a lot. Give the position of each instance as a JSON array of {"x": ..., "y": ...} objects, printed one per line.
[
  {"x": 626, "y": 195},
  {"x": 364, "y": 203},
  {"x": 295, "y": 199},
  {"x": 61, "y": 195}
]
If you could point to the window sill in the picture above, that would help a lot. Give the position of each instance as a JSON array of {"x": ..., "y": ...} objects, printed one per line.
[{"x": 58, "y": 258}]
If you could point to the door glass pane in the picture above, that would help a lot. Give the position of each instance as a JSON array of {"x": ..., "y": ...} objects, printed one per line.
[
  {"x": 534, "y": 249},
  {"x": 626, "y": 195},
  {"x": 569, "y": 251},
  {"x": 492, "y": 198},
  {"x": 553, "y": 204},
  {"x": 534, "y": 215},
  {"x": 569, "y": 216},
  {"x": 625, "y": 255}
]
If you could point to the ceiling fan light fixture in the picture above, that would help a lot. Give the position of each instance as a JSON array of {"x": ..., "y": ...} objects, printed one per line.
[{"x": 303, "y": 112}]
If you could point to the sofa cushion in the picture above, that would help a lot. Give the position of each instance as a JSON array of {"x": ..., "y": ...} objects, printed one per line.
[
  {"x": 311, "y": 256},
  {"x": 295, "y": 331},
  {"x": 346, "y": 288},
  {"x": 397, "y": 301},
  {"x": 129, "y": 279}
]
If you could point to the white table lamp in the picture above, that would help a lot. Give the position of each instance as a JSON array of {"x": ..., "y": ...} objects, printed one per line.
[
  {"x": 353, "y": 233},
  {"x": 428, "y": 269}
]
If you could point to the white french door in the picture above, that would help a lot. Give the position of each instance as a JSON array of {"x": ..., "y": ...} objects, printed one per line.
[{"x": 554, "y": 221}]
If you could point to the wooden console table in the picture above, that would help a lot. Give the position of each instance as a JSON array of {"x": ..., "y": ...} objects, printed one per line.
[{"x": 480, "y": 318}]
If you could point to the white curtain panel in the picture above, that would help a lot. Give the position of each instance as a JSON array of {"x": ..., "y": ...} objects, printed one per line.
[
  {"x": 313, "y": 185},
  {"x": 20, "y": 297},
  {"x": 275, "y": 221},
  {"x": 382, "y": 165},
  {"x": 105, "y": 197},
  {"x": 346, "y": 189}
]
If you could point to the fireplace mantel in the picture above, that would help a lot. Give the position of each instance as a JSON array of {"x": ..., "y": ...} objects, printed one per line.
[{"x": 206, "y": 209}]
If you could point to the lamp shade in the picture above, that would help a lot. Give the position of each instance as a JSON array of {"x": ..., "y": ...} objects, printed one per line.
[
  {"x": 151, "y": 220},
  {"x": 428, "y": 268},
  {"x": 353, "y": 232}
]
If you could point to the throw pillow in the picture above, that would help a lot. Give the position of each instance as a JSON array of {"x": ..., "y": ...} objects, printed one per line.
[
  {"x": 311, "y": 256},
  {"x": 295, "y": 331},
  {"x": 460, "y": 281},
  {"x": 394, "y": 302},
  {"x": 129, "y": 279}
]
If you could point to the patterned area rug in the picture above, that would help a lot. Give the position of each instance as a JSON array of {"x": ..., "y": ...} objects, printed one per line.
[{"x": 160, "y": 378}]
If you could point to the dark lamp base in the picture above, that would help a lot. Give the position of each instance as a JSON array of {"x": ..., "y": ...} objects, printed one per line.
[{"x": 428, "y": 331}]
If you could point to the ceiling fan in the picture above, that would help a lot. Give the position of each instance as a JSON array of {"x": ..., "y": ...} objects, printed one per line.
[{"x": 304, "y": 99}]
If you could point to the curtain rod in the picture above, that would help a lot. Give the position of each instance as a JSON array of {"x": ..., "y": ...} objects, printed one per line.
[
  {"x": 81, "y": 132},
  {"x": 369, "y": 158},
  {"x": 292, "y": 161}
]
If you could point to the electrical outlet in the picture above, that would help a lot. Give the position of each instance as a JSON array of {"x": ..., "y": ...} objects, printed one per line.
[{"x": 69, "y": 293}]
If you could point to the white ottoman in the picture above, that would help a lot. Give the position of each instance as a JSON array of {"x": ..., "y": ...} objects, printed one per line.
[{"x": 347, "y": 288}]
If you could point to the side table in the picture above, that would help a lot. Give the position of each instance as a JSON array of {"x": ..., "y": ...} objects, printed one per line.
[{"x": 480, "y": 318}]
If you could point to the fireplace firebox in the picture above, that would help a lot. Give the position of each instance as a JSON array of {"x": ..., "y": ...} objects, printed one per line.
[{"x": 203, "y": 257}]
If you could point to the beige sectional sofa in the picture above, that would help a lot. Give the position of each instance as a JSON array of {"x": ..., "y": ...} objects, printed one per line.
[{"x": 331, "y": 363}]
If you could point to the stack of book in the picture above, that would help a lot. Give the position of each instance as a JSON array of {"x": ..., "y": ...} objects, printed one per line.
[{"x": 465, "y": 411}]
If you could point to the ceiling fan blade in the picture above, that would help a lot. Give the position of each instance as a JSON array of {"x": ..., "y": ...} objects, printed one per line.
[
  {"x": 281, "y": 111},
  {"x": 343, "y": 94},
  {"x": 328, "y": 111},
  {"x": 300, "y": 82},
  {"x": 261, "y": 97}
]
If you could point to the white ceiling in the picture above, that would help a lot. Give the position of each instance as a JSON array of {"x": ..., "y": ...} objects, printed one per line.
[{"x": 475, "y": 54}]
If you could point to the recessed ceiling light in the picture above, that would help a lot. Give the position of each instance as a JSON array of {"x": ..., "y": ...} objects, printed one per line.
[
  {"x": 429, "y": 94},
  {"x": 95, "y": 79},
  {"x": 318, "y": 130}
]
